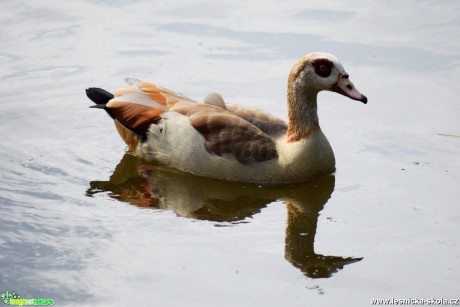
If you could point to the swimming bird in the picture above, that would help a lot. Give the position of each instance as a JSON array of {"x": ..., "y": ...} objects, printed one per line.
[{"x": 229, "y": 141}]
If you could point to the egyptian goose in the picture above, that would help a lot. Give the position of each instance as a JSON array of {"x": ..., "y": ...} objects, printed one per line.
[{"x": 227, "y": 141}]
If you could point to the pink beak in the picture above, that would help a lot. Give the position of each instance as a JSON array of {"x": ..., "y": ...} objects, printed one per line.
[{"x": 345, "y": 87}]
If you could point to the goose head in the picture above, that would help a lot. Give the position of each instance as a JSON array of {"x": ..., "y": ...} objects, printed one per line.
[{"x": 319, "y": 71}]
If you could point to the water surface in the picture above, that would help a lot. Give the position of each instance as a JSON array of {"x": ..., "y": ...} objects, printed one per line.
[{"x": 85, "y": 223}]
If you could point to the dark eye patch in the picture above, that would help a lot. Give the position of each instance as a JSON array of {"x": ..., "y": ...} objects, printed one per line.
[{"x": 323, "y": 67}]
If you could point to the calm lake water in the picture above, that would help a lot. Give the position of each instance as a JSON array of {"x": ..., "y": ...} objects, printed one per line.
[{"x": 86, "y": 224}]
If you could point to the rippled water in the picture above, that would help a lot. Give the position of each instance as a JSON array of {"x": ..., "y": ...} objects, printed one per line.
[{"x": 86, "y": 224}]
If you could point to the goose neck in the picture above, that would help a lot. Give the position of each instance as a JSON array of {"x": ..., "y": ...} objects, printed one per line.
[{"x": 303, "y": 115}]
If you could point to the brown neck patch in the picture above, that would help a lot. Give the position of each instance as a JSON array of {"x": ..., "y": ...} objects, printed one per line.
[{"x": 295, "y": 136}]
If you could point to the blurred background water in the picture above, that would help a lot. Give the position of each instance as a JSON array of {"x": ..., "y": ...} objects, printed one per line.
[{"x": 86, "y": 224}]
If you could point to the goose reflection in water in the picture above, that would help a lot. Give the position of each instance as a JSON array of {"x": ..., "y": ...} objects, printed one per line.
[{"x": 229, "y": 203}]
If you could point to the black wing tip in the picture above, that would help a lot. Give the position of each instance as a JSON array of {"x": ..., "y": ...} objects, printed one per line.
[
  {"x": 98, "y": 106},
  {"x": 98, "y": 95}
]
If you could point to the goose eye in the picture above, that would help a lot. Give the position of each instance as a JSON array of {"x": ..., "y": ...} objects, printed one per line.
[{"x": 323, "y": 67}]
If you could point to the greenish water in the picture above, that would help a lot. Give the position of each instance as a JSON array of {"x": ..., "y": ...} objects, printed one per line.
[{"x": 84, "y": 223}]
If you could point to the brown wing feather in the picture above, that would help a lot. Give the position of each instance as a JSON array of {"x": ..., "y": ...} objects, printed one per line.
[
  {"x": 162, "y": 95},
  {"x": 226, "y": 133},
  {"x": 135, "y": 117},
  {"x": 268, "y": 123},
  {"x": 153, "y": 91}
]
